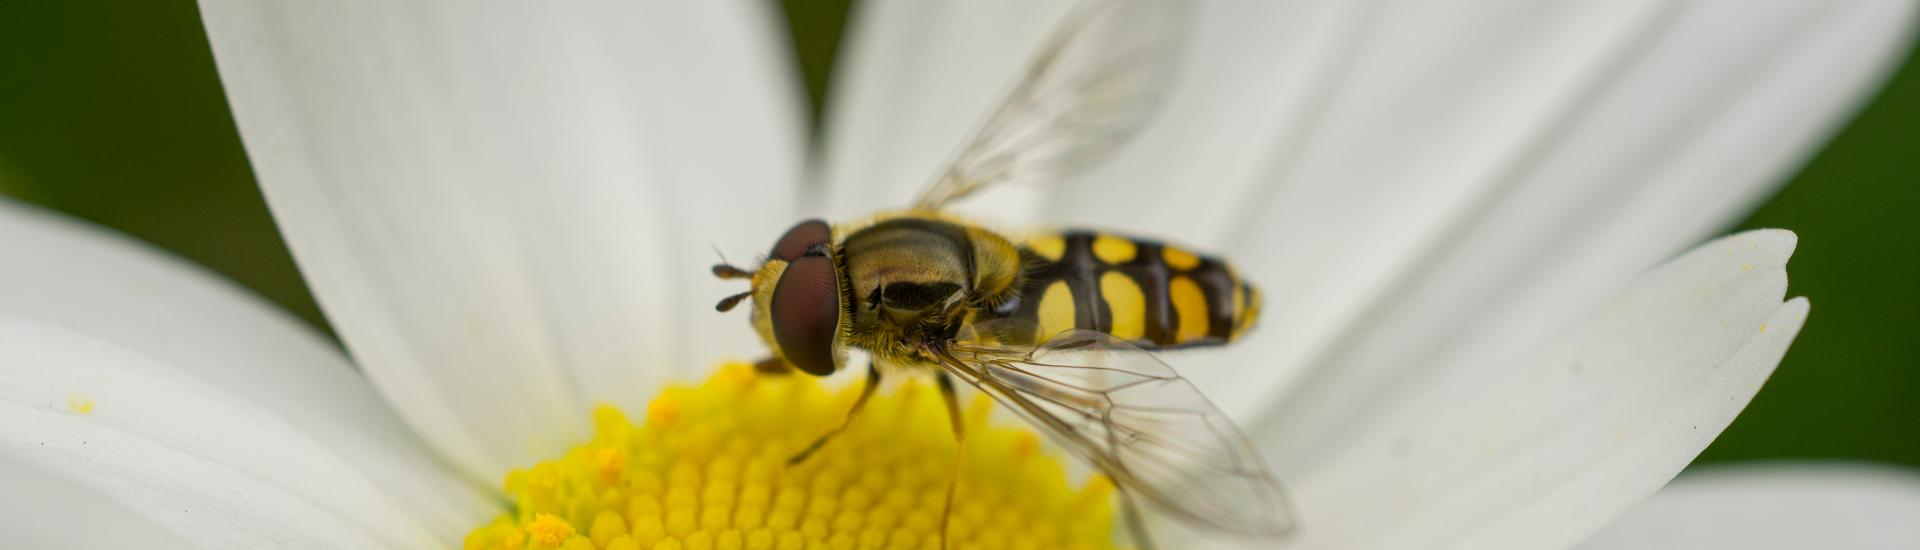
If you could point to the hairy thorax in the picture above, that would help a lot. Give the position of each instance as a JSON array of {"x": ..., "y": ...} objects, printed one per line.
[{"x": 913, "y": 278}]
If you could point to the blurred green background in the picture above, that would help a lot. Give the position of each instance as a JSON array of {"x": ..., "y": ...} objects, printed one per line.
[{"x": 111, "y": 112}]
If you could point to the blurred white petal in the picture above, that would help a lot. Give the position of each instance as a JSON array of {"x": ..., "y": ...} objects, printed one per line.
[
  {"x": 216, "y": 468},
  {"x": 1540, "y": 449},
  {"x": 1774, "y": 506},
  {"x": 102, "y": 287},
  {"x": 506, "y": 210},
  {"x": 1698, "y": 117},
  {"x": 1546, "y": 176},
  {"x": 43, "y": 511},
  {"x": 916, "y": 77}
]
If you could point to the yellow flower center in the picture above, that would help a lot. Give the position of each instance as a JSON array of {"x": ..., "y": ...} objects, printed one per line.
[{"x": 708, "y": 470}]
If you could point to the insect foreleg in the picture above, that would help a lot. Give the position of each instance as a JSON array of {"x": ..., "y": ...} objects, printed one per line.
[
  {"x": 772, "y": 366},
  {"x": 873, "y": 384}
]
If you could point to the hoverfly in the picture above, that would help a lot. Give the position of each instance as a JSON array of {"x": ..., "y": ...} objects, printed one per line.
[{"x": 1056, "y": 326}]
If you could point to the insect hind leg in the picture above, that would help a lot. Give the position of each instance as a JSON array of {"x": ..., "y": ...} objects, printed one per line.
[
  {"x": 1136, "y": 523},
  {"x": 952, "y": 398},
  {"x": 866, "y": 392},
  {"x": 1129, "y": 511}
]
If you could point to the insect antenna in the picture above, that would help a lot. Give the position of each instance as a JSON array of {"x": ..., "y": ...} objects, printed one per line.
[
  {"x": 728, "y": 303},
  {"x": 726, "y": 270}
]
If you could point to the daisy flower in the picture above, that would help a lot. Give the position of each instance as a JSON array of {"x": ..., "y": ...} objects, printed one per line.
[{"x": 1486, "y": 322}]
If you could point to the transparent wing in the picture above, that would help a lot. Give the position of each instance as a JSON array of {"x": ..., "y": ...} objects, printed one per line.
[
  {"x": 1093, "y": 83},
  {"x": 1130, "y": 415}
]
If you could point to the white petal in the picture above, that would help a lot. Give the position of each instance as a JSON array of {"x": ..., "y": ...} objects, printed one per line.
[
  {"x": 43, "y": 511},
  {"x": 1699, "y": 118},
  {"x": 64, "y": 277},
  {"x": 918, "y": 76},
  {"x": 213, "y": 467},
  {"x": 507, "y": 210},
  {"x": 1525, "y": 181},
  {"x": 1537, "y": 450},
  {"x": 1769, "y": 506}
]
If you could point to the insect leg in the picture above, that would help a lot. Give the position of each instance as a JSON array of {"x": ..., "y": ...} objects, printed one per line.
[
  {"x": 772, "y": 366},
  {"x": 959, "y": 447},
  {"x": 1136, "y": 523},
  {"x": 873, "y": 384},
  {"x": 1130, "y": 512}
]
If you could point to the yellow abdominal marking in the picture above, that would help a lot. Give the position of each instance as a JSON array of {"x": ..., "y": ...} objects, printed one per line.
[
  {"x": 1114, "y": 250},
  {"x": 1056, "y": 309},
  {"x": 1190, "y": 307},
  {"x": 708, "y": 470},
  {"x": 1179, "y": 259},
  {"x": 1051, "y": 247},
  {"x": 1127, "y": 304}
]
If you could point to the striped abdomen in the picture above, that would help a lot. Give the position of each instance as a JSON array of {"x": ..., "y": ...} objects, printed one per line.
[{"x": 1152, "y": 294}]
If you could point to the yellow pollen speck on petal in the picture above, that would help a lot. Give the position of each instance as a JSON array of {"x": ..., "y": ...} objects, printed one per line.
[
  {"x": 80, "y": 403},
  {"x": 707, "y": 470}
]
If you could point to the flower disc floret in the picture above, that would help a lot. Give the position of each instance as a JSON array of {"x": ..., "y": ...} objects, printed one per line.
[{"x": 707, "y": 469}]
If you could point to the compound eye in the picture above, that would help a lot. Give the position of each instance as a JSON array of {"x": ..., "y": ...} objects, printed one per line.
[
  {"x": 806, "y": 313},
  {"x": 802, "y": 236}
]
